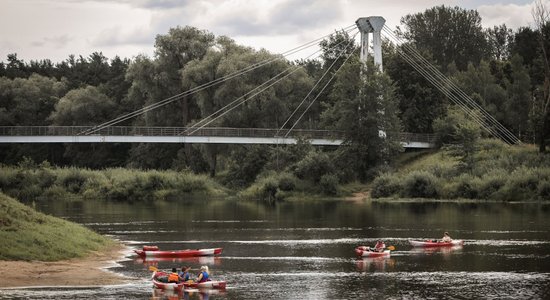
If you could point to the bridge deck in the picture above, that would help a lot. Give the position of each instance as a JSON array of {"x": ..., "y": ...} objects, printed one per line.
[{"x": 217, "y": 135}]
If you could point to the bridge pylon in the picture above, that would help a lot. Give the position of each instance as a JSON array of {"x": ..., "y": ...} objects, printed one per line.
[{"x": 374, "y": 25}]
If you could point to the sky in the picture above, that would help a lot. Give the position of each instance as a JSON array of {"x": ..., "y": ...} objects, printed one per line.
[{"x": 55, "y": 29}]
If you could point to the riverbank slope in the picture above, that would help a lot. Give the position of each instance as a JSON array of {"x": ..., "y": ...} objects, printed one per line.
[{"x": 41, "y": 250}]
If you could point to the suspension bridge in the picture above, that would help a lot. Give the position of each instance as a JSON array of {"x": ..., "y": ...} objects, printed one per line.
[{"x": 203, "y": 132}]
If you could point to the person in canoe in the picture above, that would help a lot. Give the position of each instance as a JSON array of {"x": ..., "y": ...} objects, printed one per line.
[
  {"x": 204, "y": 275},
  {"x": 380, "y": 246},
  {"x": 446, "y": 238},
  {"x": 184, "y": 274},
  {"x": 173, "y": 277}
]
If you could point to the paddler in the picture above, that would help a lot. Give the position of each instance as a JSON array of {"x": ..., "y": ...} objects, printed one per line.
[
  {"x": 380, "y": 246},
  {"x": 446, "y": 238},
  {"x": 173, "y": 277}
]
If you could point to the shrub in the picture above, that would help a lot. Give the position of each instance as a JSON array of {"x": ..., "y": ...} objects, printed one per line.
[
  {"x": 313, "y": 166},
  {"x": 287, "y": 182},
  {"x": 544, "y": 190},
  {"x": 491, "y": 184},
  {"x": 385, "y": 185},
  {"x": 420, "y": 184},
  {"x": 329, "y": 184},
  {"x": 466, "y": 187}
]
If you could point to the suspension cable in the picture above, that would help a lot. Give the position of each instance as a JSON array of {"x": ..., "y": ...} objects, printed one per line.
[
  {"x": 321, "y": 91},
  {"x": 459, "y": 97},
  {"x": 313, "y": 88},
  {"x": 210, "y": 84},
  {"x": 239, "y": 101}
]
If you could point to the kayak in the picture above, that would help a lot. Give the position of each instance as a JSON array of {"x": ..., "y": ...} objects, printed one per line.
[
  {"x": 199, "y": 260},
  {"x": 431, "y": 243},
  {"x": 178, "y": 253},
  {"x": 160, "y": 277},
  {"x": 364, "y": 251}
]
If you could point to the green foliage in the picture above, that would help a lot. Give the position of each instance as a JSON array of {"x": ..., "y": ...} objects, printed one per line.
[
  {"x": 450, "y": 34},
  {"x": 499, "y": 172},
  {"x": 544, "y": 189},
  {"x": 371, "y": 137},
  {"x": 386, "y": 185},
  {"x": 329, "y": 184},
  {"x": 30, "y": 235},
  {"x": 271, "y": 187},
  {"x": 313, "y": 166},
  {"x": 110, "y": 184},
  {"x": 248, "y": 163},
  {"x": 420, "y": 184}
]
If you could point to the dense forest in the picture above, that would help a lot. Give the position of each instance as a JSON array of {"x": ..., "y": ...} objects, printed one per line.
[{"x": 505, "y": 71}]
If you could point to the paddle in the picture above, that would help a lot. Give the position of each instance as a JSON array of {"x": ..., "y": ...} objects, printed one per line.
[
  {"x": 153, "y": 269},
  {"x": 391, "y": 248}
]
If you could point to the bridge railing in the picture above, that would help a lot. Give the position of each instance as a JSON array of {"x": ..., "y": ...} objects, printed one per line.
[
  {"x": 189, "y": 131},
  {"x": 163, "y": 131}
]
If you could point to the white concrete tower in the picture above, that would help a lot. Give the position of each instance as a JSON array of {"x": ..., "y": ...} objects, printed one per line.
[{"x": 372, "y": 25}]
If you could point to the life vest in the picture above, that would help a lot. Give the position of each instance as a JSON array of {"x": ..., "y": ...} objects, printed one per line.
[
  {"x": 173, "y": 277},
  {"x": 204, "y": 277},
  {"x": 185, "y": 276}
]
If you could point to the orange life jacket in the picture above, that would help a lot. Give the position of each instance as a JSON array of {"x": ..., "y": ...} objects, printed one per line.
[{"x": 173, "y": 277}]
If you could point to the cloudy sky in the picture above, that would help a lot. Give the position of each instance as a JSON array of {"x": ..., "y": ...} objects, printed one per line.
[{"x": 54, "y": 29}]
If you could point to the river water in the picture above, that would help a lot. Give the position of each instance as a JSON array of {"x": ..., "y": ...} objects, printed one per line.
[{"x": 304, "y": 250}]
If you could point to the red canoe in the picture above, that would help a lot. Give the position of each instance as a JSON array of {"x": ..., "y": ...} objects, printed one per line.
[
  {"x": 148, "y": 251},
  {"x": 364, "y": 251},
  {"x": 157, "y": 282},
  {"x": 430, "y": 243}
]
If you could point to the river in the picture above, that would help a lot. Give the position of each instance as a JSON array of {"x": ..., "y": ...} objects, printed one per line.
[{"x": 305, "y": 250}]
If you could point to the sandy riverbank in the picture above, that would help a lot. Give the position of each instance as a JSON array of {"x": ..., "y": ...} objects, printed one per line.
[{"x": 87, "y": 271}]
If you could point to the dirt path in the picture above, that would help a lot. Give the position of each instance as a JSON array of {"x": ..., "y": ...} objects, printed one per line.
[
  {"x": 88, "y": 271},
  {"x": 359, "y": 196}
]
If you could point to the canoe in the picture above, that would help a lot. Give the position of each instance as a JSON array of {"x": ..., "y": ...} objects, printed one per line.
[
  {"x": 364, "y": 251},
  {"x": 430, "y": 243},
  {"x": 159, "y": 284},
  {"x": 178, "y": 253}
]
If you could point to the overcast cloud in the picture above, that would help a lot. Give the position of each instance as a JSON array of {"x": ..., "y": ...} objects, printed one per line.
[{"x": 39, "y": 29}]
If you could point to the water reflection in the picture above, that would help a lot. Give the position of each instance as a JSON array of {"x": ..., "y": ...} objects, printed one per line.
[
  {"x": 445, "y": 251},
  {"x": 159, "y": 294},
  {"x": 202, "y": 260},
  {"x": 374, "y": 264}
]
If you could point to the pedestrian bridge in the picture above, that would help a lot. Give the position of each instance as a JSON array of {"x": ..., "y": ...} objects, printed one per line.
[{"x": 211, "y": 135}]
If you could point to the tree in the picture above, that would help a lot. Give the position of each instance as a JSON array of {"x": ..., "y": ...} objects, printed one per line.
[
  {"x": 450, "y": 34},
  {"x": 88, "y": 106},
  {"x": 459, "y": 133},
  {"x": 519, "y": 98},
  {"x": 83, "y": 106},
  {"x": 541, "y": 106},
  {"x": 29, "y": 101},
  {"x": 499, "y": 39},
  {"x": 267, "y": 106},
  {"x": 367, "y": 116},
  {"x": 420, "y": 103},
  {"x": 153, "y": 80},
  {"x": 482, "y": 87}
]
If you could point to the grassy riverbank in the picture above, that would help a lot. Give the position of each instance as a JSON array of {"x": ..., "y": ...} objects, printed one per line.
[
  {"x": 30, "y": 235},
  {"x": 28, "y": 183},
  {"x": 494, "y": 171}
]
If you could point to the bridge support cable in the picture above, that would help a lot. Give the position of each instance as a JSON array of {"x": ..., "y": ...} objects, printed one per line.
[
  {"x": 428, "y": 76},
  {"x": 241, "y": 100},
  {"x": 210, "y": 84},
  {"x": 317, "y": 83},
  {"x": 451, "y": 90}
]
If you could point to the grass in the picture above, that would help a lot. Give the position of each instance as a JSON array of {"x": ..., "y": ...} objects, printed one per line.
[
  {"x": 28, "y": 184},
  {"x": 496, "y": 172},
  {"x": 30, "y": 235}
]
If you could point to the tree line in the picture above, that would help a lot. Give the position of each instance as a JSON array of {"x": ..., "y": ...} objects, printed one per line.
[{"x": 505, "y": 71}]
